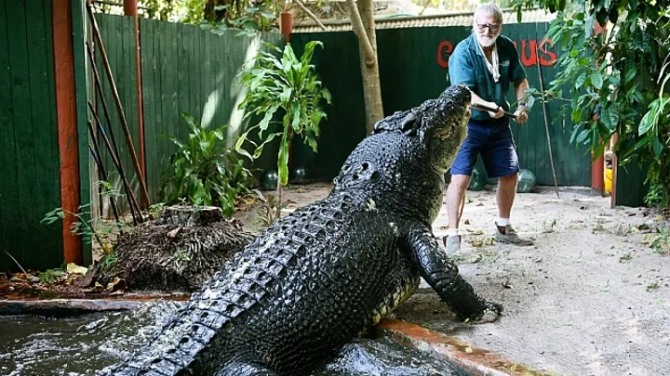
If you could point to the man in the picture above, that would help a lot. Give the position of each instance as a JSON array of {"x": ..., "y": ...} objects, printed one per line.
[{"x": 487, "y": 63}]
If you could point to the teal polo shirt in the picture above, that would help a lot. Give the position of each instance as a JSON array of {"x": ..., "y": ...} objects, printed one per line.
[{"x": 467, "y": 66}]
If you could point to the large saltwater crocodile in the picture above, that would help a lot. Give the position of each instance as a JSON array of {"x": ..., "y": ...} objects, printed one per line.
[{"x": 318, "y": 277}]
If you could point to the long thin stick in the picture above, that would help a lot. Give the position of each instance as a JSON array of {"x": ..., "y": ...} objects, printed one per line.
[
  {"x": 546, "y": 122},
  {"x": 134, "y": 209},
  {"x": 17, "y": 263},
  {"x": 103, "y": 172},
  {"x": 119, "y": 107},
  {"x": 485, "y": 108},
  {"x": 111, "y": 143},
  {"x": 311, "y": 15}
]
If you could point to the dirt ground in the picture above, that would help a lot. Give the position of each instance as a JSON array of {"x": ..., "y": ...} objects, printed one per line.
[{"x": 591, "y": 297}]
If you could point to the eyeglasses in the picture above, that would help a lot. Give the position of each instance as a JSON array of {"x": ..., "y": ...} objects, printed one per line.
[{"x": 492, "y": 27}]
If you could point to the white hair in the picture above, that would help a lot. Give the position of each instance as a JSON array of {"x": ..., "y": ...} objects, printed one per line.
[{"x": 489, "y": 9}]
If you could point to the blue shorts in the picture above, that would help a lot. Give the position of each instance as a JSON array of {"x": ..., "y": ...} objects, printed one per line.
[{"x": 493, "y": 140}]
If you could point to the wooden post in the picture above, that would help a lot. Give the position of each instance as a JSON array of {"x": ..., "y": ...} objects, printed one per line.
[
  {"x": 66, "y": 115},
  {"x": 286, "y": 25},
  {"x": 130, "y": 9},
  {"x": 598, "y": 165},
  {"x": 597, "y": 175}
]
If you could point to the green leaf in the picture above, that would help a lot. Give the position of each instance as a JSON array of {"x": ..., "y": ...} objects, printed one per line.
[
  {"x": 582, "y": 136},
  {"x": 282, "y": 162},
  {"x": 579, "y": 82},
  {"x": 610, "y": 118},
  {"x": 630, "y": 74},
  {"x": 597, "y": 80},
  {"x": 649, "y": 119},
  {"x": 657, "y": 146},
  {"x": 297, "y": 112},
  {"x": 268, "y": 116}
]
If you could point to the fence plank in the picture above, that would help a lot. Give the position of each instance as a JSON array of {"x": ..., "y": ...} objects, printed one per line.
[
  {"x": 29, "y": 165},
  {"x": 8, "y": 188}
]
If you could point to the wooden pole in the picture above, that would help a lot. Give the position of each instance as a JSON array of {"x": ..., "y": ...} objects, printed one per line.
[
  {"x": 286, "y": 25},
  {"x": 140, "y": 108},
  {"x": 130, "y": 7},
  {"x": 130, "y": 10},
  {"x": 66, "y": 116}
]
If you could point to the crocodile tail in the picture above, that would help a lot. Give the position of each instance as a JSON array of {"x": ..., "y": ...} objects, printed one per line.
[{"x": 176, "y": 349}]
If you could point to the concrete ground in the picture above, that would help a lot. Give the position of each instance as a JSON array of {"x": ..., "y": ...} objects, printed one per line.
[{"x": 591, "y": 297}]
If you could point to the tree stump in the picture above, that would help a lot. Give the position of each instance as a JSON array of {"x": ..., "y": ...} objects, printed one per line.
[
  {"x": 179, "y": 251},
  {"x": 190, "y": 216}
]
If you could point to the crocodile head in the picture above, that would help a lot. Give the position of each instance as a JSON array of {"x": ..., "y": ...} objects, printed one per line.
[
  {"x": 440, "y": 124},
  {"x": 444, "y": 125}
]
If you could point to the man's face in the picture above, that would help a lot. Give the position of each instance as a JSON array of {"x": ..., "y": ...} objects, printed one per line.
[{"x": 486, "y": 29}]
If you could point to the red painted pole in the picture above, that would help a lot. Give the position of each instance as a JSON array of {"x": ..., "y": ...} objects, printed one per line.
[
  {"x": 598, "y": 165},
  {"x": 598, "y": 174},
  {"x": 66, "y": 117},
  {"x": 130, "y": 7},
  {"x": 286, "y": 25}
]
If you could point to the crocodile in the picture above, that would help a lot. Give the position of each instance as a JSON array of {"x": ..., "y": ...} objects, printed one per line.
[{"x": 329, "y": 271}]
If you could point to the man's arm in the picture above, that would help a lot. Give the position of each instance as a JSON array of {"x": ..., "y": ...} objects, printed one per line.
[
  {"x": 521, "y": 112},
  {"x": 476, "y": 99}
]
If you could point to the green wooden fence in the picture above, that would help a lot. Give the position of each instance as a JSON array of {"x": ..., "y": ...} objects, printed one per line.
[
  {"x": 29, "y": 166},
  {"x": 185, "y": 69}
]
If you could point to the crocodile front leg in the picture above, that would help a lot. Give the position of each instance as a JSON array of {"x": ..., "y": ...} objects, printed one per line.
[{"x": 442, "y": 275}]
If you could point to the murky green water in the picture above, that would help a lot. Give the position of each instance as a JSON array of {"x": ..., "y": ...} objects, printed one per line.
[{"x": 75, "y": 346}]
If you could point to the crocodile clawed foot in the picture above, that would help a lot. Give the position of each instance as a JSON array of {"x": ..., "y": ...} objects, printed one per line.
[{"x": 489, "y": 314}]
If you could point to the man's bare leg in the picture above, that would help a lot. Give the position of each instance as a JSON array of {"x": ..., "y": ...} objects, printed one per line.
[
  {"x": 505, "y": 199},
  {"x": 505, "y": 194},
  {"x": 455, "y": 201}
]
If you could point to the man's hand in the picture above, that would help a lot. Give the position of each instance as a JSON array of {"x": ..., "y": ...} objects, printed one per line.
[
  {"x": 498, "y": 114},
  {"x": 521, "y": 113}
]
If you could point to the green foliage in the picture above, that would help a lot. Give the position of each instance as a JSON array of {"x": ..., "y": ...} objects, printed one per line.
[
  {"x": 84, "y": 226},
  {"x": 615, "y": 80},
  {"x": 203, "y": 171},
  {"x": 81, "y": 226},
  {"x": 156, "y": 210},
  {"x": 51, "y": 276},
  {"x": 246, "y": 15},
  {"x": 108, "y": 259},
  {"x": 281, "y": 84},
  {"x": 660, "y": 242},
  {"x": 269, "y": 206},
  {"x": 654, "y": 196},
  {"x": 250, "y": 16}
]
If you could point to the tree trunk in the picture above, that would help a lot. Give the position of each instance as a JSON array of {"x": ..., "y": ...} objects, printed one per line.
[{"x": 363, "y": 24}]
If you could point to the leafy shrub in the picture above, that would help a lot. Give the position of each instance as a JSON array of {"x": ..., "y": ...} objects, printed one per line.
[
  {"x": 281, "y": 84},
  {"x": 203, "y": 171}
]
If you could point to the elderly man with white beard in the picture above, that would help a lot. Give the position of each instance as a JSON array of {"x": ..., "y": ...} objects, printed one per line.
[{"x": 487, "y": 62}]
